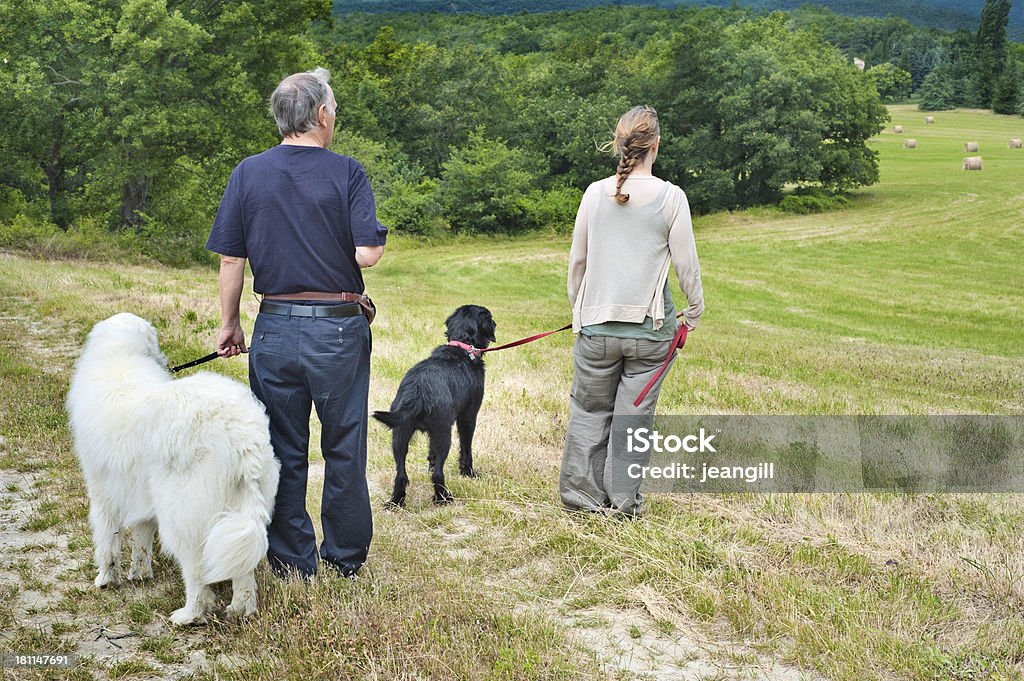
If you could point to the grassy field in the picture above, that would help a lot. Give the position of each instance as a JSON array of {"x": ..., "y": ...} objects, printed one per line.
[{"x": 911, "y": 301}]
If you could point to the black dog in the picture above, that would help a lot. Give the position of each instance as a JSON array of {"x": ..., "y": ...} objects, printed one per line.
[{"x": 443, "y": 389}]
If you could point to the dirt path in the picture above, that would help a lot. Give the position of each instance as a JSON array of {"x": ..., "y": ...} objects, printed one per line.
[{"x": 45, "y": 573}]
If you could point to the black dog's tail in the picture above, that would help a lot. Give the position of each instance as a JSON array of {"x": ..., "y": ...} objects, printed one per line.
[{"x": 389, "y": 419}]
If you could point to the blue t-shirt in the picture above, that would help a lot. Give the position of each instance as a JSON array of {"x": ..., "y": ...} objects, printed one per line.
[{"x": 297, "y": 213}]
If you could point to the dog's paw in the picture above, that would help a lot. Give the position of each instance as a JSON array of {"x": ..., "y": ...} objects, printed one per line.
[
  {"x": 443, "y": 497},
  {"x": 233, "y": 612},
  {"x": 182, "y": 617},
  {"x": 206, "y": 602},
  {"x": 469, "y": 472},
  {"x": 107, "y": 579},
  {"x": 138, "y": 574},
  {"x": 394, "y": 504},
  {"x": 244, "y": 608}
]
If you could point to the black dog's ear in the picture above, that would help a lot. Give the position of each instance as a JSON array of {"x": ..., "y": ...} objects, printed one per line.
[
  {"x": 461, "y": 326},
  {"x": 484, "y": 324},
  {"x": 448, "y": 325}
]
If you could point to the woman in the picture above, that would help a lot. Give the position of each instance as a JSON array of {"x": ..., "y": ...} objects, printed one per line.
[{"x": 629, "y": 229}]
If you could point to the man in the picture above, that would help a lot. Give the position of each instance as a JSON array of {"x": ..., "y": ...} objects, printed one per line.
[{"x": 305, "y": 219}]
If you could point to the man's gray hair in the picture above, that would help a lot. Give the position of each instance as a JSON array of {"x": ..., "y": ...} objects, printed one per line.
[{"x": 297, "y": 100}]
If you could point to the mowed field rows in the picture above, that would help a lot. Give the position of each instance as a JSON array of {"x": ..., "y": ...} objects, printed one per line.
[{"x": 909, "y": 301}]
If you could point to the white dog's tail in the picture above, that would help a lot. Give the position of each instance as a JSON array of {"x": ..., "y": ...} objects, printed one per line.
[
  {"x": 237, "y": 541},
  {"x": 234, "y": 547}
]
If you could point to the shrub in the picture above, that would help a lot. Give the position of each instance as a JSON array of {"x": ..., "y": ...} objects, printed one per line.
[
  {"x": 178, "y": 219},
  {"x": 413, "y": 207},
  {"x": 805, "y": 201},
  {"x": 24, "y": 233},
  {"x": 486, "y": 186},
  {"x": 86, "y": 238},
  {"x": 12, "y": 202},
  {"x": 554, "y": 209}
]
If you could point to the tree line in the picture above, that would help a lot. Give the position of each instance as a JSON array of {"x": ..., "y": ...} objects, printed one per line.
[
  {"x": 127, "y": 117},
  {"x": 948, "y": 15},
  {"x": 944, "y": 70}
]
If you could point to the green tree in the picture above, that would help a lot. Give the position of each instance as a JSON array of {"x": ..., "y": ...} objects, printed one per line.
[
  {"x": 567, "y": 110},
  {"x": 426, "y": 97},
  {"x": 51, "y": 59},
  {"x": 990, "y": 48},
  {"x": 135, "y": 111},
  {"x": 486, "y": 186},
  {"x": 918, "y": 53},
  {"x": 938, "y": 91},
  {"x": 893, "y": 83},
  {"x": 1005, "y": 99},
  {"x": 753, "y": 106}
]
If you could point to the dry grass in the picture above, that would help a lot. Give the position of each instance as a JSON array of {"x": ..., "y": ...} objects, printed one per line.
[{"x": 907, "y": 302}]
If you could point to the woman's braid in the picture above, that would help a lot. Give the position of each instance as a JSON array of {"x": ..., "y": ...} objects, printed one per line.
[{"x": 635, "y": 135}]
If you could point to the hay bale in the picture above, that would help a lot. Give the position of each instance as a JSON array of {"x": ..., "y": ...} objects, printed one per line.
[
  {"x": 971, "y": 146},
  {"x": 929, "y": 119},
  {"x": 972, "y": 163},
  {"x": 898, "y": 129},
  {"x": 1016, "y": 143},
  {"x": 910, "y": 144}
]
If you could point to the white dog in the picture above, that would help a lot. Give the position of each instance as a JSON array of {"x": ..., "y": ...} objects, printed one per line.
[{"x": 191, "y": 457}]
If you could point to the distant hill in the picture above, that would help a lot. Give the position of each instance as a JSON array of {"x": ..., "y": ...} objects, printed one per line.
[{"x": 948, "y": 15}]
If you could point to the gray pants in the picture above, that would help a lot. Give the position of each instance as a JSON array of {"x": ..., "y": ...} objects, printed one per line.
[{"x": 609, "y": 374}]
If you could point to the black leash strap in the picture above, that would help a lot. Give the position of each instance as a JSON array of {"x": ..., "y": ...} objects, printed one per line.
[{"x": 195, "y": 362}]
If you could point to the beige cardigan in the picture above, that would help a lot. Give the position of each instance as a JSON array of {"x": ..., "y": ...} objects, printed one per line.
[{"x": 620, "y": 254}]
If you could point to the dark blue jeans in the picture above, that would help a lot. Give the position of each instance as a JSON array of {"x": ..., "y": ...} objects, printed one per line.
[{"x": 296, "y": 362}]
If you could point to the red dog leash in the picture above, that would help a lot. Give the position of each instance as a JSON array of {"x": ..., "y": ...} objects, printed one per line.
[
  {"x": 475, "y": 352},
  {"x": 678, "y": 341},
  {"x": 524, "y": 341}
]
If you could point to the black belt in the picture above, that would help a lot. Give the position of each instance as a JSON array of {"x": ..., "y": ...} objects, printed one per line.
[{"x": 289, "y": 310}]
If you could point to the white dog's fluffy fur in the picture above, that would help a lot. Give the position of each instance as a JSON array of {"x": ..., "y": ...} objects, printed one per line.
[{"x": 191, "y": 457}]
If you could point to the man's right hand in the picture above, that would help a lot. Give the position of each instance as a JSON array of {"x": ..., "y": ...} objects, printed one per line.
[
  {"x": 231, "y": 341},
  {"x": 231, "y": 338}
]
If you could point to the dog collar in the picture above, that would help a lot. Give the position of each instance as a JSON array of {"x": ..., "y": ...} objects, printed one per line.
[{"x": 474, "y": 353}]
